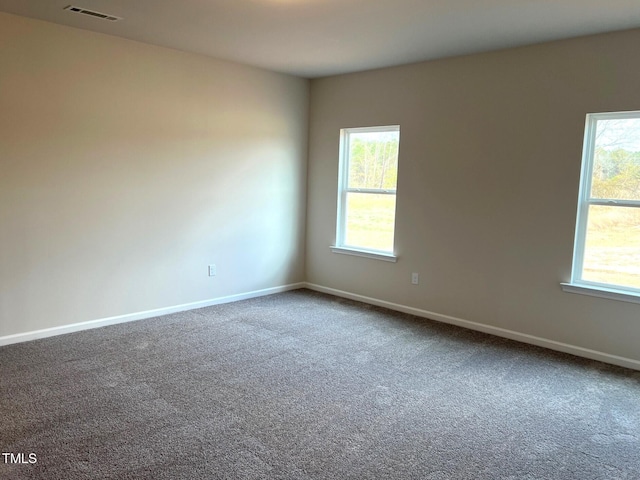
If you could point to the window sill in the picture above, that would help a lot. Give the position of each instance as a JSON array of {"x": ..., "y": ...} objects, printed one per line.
[
  {"x": 602, "y": 292},
  {"x": 387, "y": 257}
]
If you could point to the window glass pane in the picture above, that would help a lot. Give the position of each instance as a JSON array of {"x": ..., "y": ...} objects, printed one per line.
[
  {"x": 612, "y": 248},
  {"x": 370, "y": 221},
  {"x": 616, "y": 161},
  {"x": 373, "y": 159}
]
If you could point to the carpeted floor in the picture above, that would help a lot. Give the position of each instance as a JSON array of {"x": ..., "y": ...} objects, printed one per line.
[{"x": 302, "y": 385}]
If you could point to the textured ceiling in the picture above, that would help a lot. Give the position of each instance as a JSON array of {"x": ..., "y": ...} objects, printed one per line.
[{"x": 313, "y": 38}]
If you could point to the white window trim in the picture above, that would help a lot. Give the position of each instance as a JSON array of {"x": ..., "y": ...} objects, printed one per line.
[
  {"x": 359, "y": 252},
  {"x": 601, "y": 291},
  {"x": 577, "y": 284},
  {"x": 343, "y": 189}
]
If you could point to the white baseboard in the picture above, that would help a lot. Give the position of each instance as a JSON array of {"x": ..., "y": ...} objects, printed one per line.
[
  {"x": 500, "y": 332},
  {"x": 103, "y": 322}
]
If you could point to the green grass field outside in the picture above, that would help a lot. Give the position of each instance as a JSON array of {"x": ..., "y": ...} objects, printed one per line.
[
  {"x": 370, "y": 221},
  {"x": 612, "y": 248}
]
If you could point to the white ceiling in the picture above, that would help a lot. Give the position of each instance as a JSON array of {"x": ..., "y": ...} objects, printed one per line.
[{"x": 314, "y": 38}]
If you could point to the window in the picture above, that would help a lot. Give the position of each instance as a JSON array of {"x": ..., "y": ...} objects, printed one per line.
[
  {"x": 367, "y": 180},
  {"x": 607, "y": 242}
]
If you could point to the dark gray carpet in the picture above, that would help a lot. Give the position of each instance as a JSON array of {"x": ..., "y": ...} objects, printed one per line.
[{"x": 302, "y": 385}]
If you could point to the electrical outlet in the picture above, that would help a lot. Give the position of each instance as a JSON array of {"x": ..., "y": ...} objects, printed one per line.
[
  {"x": 415, "y": 278},
  {"x": 212, "y": 270}
]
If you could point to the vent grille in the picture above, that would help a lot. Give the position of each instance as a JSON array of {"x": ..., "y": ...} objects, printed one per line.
[{"x": 92, "y": 13}]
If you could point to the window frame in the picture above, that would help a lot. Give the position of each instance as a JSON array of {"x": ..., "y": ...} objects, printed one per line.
[
  {"x": 578, "y": 284},
  {"x": 343, "y": 189}
]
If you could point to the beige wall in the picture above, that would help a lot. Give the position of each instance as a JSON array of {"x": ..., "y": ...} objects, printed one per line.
[
  {"x": 125, "y": 169},
  {"x": 490, "y": 155}
]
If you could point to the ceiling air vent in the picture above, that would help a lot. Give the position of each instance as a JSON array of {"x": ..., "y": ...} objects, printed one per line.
[{"x": 92, "y": 13}]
